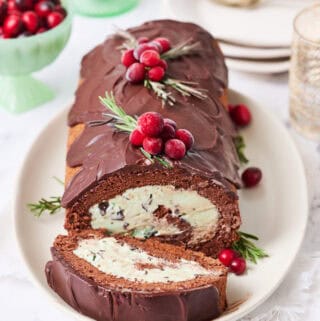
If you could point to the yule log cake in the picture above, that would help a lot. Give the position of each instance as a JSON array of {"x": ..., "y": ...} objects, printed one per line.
[
  {"x": 126, "y": 279},
  {"x": 111, "y": 185}
]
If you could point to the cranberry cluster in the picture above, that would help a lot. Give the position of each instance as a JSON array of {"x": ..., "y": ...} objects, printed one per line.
[
  {"x": 144, "y": 62},
  {"x": 28, "y": 17},
  {"x": 241, "y": 116},
  {"x": 231, "y": 259},
  {"x": 160, "y": 135}
]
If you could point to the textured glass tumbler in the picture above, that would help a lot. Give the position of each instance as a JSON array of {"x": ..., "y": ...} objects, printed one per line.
[{"x": 305, "y": 73}]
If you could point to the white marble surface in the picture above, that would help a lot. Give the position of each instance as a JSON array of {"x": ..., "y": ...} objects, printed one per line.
[{"x": 298, "y": 296}]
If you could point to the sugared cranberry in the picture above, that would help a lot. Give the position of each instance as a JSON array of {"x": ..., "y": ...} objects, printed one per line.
[
  {"x": 164, "y": 43},
  {"x": 127, "y": 58},
  {"x": 31, "y": 21},
  {"x": 3, "y": 11},
  {"x": 156, "y": 73},
  {"x": 240, "y": 114},
  {"x": 151, "y": 123},
  {"x": 12, "y": 26},
  {"x": 24, "y": 5},
  {"x": 155, "y": 46},
  {"x": 140, "y": 49},
  {"x": 238, "y": 265},
  {"x": 251, "y": 176},
  {"x": 153, "y": 145},
  {"x": 54, "y": 19},
  {"x": 186, "y": 137},
  {"x": 61, "y": 10},
  {"x": 44, "y": 8},
  {"x": 135, "y": 73},
  {"x": 136, "y": 138},
  {"x": 175, "y": 149},
  {"x": 226, "y": 256},
  {"x": 143, "y": 40},
  {"x": 170, "y": 122},
  {"x": 168, "y": 132},
  {"x": 150, "y": 58},
  {"x": 162, "y": 63}
]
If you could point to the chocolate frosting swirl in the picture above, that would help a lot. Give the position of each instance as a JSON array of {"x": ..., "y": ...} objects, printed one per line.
[{"x": 101, "y": 151}]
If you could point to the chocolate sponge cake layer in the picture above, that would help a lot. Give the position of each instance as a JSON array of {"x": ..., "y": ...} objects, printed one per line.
[
  {"x": 103, "y": 168},
  {"x": 87, "y": 272}
]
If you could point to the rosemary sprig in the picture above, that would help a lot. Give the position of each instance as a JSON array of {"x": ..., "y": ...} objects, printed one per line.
[
  {"x": 186, "y": 88},
  {"x": 51, "y": 205},
  {"x": 158, "y": 159},
  {"x": 120, "y": 119},
  {"x": 159, "y": 89},
  {"x": 130, "y": 41},
  {"x": 126, "y": 123},
  {"x": 240, "y": 146},
  {"x": 247, "y": 249},
  {"x": 182, "y": 49}
]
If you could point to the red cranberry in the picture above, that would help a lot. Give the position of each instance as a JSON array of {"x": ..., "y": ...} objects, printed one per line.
[
  {"x": 3, "y": 11},
  {"x": 238, "y": 265},
  {"x": 151, "y": 123},
  {"x": 168, "y": 132},
  {"x": 43, "y": 8},
  {"x": 54, "y": 19},
  {"x": 164, "y": 43},
  {"x": 170, "y": 122},
  {"x": 251, "y": 176},
  {"x": 150, "y": 58},
  {"x": 226, "y": 256},
  {"x": 240, "y": 114},
  {"x": 136, "y": 137},
  {"x": 186, "y": 137},
  {"x": 156, "y": 73},
  {"x": 12, "y": 5},
  {"x": 153, "y": 145},
  {"x": 175, "y": 149},
  {"x": 136, "y": 73},
  {"x": 61, "y": 10},
  {"x": 127, "y": 58},
  {"x": 31, "y": 21},
  {"x": 143, "y": 40},
  {"x": 162, "y": 63},
  {"x": 12, "y": 26},
  {"x": 140, "y": 49},
  {"x": 42, "y": 30},
  {"x": 24, "y": 5}
]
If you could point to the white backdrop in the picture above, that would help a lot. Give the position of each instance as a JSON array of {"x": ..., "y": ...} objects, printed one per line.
[{"x": 298, "y": 296}]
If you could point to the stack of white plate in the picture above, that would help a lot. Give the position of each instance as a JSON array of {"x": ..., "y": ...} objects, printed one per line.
[{"x": 253, "y": 39}]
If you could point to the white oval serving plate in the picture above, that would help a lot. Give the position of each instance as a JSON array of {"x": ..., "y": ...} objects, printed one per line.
[
  {"x": 259, "y": 67},
  {"x": 268, "y": 24},
  {"x": 236, "y": 51},
  {"x": 276, "y": 210}
]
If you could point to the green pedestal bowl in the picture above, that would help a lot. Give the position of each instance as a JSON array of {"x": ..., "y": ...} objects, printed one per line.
[
  {"x": 102, "y": 8},
  {"x": 20, "y": 57}
]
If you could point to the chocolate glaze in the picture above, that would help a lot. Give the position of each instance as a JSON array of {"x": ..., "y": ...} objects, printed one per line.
[
  {"x": 103, "y": 304},
  {"x": 101, "y": 151}
]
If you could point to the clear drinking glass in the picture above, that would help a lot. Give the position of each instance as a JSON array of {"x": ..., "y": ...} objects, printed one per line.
[{"x": 305, "y": 73}]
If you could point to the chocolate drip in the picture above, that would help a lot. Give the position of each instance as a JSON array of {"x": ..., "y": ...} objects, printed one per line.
[{"x": 101, "y": 151}]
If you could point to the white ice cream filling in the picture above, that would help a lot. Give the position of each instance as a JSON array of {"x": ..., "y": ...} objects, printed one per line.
[
  {"x": 133, "y": 212},
  {"x": 124, "y": 261}
]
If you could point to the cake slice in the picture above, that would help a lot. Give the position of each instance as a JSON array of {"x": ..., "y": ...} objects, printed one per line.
[
  {"x": 123, "y": 278},
  {"x": 111, "y": 185}
]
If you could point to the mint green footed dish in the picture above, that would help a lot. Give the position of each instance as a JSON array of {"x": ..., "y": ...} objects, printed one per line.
[
  {"x": 19, "y": 57},
  {"x": 102, "y": 8}
]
